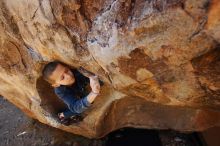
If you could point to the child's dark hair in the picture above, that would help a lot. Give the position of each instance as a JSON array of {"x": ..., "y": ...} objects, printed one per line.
[{"x": 48, "y": 70}]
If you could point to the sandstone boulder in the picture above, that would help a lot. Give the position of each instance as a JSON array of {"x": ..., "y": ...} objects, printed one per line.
[{"x": 159, "y": 60}]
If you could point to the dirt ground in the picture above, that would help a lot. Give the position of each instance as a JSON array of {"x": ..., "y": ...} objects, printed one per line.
[{"x": 16, "y": 129}]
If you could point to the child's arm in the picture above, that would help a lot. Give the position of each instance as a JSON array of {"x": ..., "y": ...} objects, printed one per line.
[
  {"x": 94, "y": 84},
  {"x": 80, "y": 105},
  {"x": 91, "y": 97}
]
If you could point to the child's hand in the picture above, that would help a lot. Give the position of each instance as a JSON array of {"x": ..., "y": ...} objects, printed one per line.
[{"x": 94, "y": 84}]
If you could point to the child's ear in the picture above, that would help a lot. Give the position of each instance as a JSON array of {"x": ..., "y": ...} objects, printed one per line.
[{"x": 55, "y": 85}]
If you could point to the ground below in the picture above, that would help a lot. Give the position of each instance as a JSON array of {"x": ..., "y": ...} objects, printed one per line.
[{"x": 18, "y": 129}]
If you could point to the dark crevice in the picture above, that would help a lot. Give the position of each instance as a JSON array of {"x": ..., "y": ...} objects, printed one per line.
[
  {"x": 49, "y": 101},
  {"x": 106, "y": 73},
  {"x": 131, "y": 137},
  {"x": 34, "y": 13},
  {"x": 148, "y": 137}
]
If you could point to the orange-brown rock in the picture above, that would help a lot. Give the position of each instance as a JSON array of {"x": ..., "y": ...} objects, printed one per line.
[{"x": 159, "y": 60}]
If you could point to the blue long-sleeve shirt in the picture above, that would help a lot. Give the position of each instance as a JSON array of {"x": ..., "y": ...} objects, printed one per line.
[{"x": 74, "y": 96}]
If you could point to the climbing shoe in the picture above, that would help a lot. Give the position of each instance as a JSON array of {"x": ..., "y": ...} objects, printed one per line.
[{"x": 71, "y": 120}]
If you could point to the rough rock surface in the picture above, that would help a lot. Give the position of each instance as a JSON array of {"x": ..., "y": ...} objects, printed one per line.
[{"x": 159, "y": 60}]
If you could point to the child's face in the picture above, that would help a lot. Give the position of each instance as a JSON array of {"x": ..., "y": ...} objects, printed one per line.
[{"x": 62, "y": 75}]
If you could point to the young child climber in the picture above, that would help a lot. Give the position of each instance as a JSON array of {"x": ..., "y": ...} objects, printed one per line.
[{"x": 70, "y": 86}]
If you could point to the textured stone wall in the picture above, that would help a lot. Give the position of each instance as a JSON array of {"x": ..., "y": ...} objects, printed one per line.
[{"x": 159, "y": 60}]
